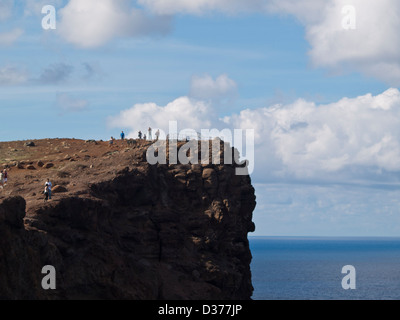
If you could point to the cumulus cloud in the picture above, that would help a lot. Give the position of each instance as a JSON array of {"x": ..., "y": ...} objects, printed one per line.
[
  {"x": 351, "y": 139},
  {"x": 189, "y": 113},
  {"x": 358, "y": 137},
  {"x": 372, "y": 48},
  {"x": 205, "y": 87},
  {"x": 196, "y": 111},
  {"x": 92, "y": 23}
]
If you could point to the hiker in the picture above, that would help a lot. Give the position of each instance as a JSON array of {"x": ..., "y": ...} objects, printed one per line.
[
  {"x": 122, "y": 135},
  {"x": 150, "y": 135},
  {"x": 5, "y": 176},
  {"x": 111, "y": 142},
  {"x": 1, "y": 179},
  {"x": 46, "y": 192},
  {"x": 144, "y": 137},
  {"x": 157, "y": 135},
  {"x": 49, "y": 185},
  {"x": 140, "y": 135}
]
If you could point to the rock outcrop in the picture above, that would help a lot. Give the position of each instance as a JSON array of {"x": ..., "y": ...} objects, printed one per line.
[{"x": 124, "y": 229}]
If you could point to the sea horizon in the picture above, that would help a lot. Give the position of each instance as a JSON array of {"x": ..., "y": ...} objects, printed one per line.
[{"x": 311, "y": 268}]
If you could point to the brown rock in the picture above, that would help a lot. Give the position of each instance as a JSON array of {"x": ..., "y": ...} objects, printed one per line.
[
  {"x": 208, "y": 173},
  {"x": 59, "y": 189},
  {"x": 48, "y": 165}
]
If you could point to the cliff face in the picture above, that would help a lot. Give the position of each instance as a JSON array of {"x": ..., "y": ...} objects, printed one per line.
[{"x": 135, "y": 231}]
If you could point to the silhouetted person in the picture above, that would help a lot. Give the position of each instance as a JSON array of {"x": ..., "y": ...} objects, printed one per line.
[
  {"x": 5, "y": 176},
  {"x": 49, "y": 185},
  {"x": 46, "y": 192}
]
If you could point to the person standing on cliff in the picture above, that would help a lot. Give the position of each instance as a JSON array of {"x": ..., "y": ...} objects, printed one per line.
[
  {"x": 150, "y": 134},
  {"x": 140, "y": 135},
  {"x": 157, "y": 135},
  {"x": 1, "y": 180},
  {"x": 122, "y": 135},
  {"x": 46, "y": 192},
  {"x": 49, "y": 185},
  {"x": 5, "y": 176}
]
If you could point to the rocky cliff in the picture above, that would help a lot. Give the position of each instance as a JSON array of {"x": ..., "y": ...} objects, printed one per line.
[{"x": 119, "y": 228}]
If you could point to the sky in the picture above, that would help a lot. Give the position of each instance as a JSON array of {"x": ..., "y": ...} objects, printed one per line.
[{"x": 317, "y": 81}]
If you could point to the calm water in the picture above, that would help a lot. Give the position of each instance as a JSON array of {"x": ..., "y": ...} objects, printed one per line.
[{"x": 310, "y": 268}]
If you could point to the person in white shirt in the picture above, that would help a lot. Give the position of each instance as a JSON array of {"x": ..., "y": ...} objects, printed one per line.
[
  {"x": 5, "y": 176},
  {"x": 48, "y": 183}
]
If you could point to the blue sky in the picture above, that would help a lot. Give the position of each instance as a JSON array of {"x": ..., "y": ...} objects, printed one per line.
[{"x": 323, "y": 100}]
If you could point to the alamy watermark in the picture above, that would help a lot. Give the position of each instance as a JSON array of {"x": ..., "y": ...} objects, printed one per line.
[
  {"x": 49, "y": 21},
  {"x": 349, "y": 281},
  {"x": 49, "y": 281},
  {"x": 206, "y": 147},
  {"x": 349, "y": 20}
]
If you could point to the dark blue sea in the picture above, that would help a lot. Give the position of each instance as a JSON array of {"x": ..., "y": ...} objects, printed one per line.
[{"x": 286, "y": 268}]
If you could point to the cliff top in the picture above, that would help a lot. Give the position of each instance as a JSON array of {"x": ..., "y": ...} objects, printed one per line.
[
  {"x": 120, "y": 228},
  {"x": 71, "y": 165}
]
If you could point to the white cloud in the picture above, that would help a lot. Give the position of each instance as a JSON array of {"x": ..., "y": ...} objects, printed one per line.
[
  {"x": 372, "y": 48},
  {"x": 357, "y": 138},
  {"x": 205, "y": 87},
  {"x": 92, "y": 23},
  {"x": 8, "y": 38},
  {"x": 10, "y": 75},
  {"x": 189, "y": 113},
  {"x": 349, "y": 140}
]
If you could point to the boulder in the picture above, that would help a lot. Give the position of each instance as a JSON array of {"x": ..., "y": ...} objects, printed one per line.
[{"x": 59, "y": 189}]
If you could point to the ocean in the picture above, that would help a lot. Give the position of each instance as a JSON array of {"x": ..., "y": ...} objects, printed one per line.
[{"x": 300, "y": 268}]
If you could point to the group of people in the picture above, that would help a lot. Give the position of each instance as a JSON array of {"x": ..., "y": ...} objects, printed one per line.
[
  {"x": 141, "y": 136},
  {"x": 3, "y": 178},
  {"x": 47, "y": 187}
]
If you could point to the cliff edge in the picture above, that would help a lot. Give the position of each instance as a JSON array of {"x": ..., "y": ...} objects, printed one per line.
[{"x": 120, "y": 228}]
